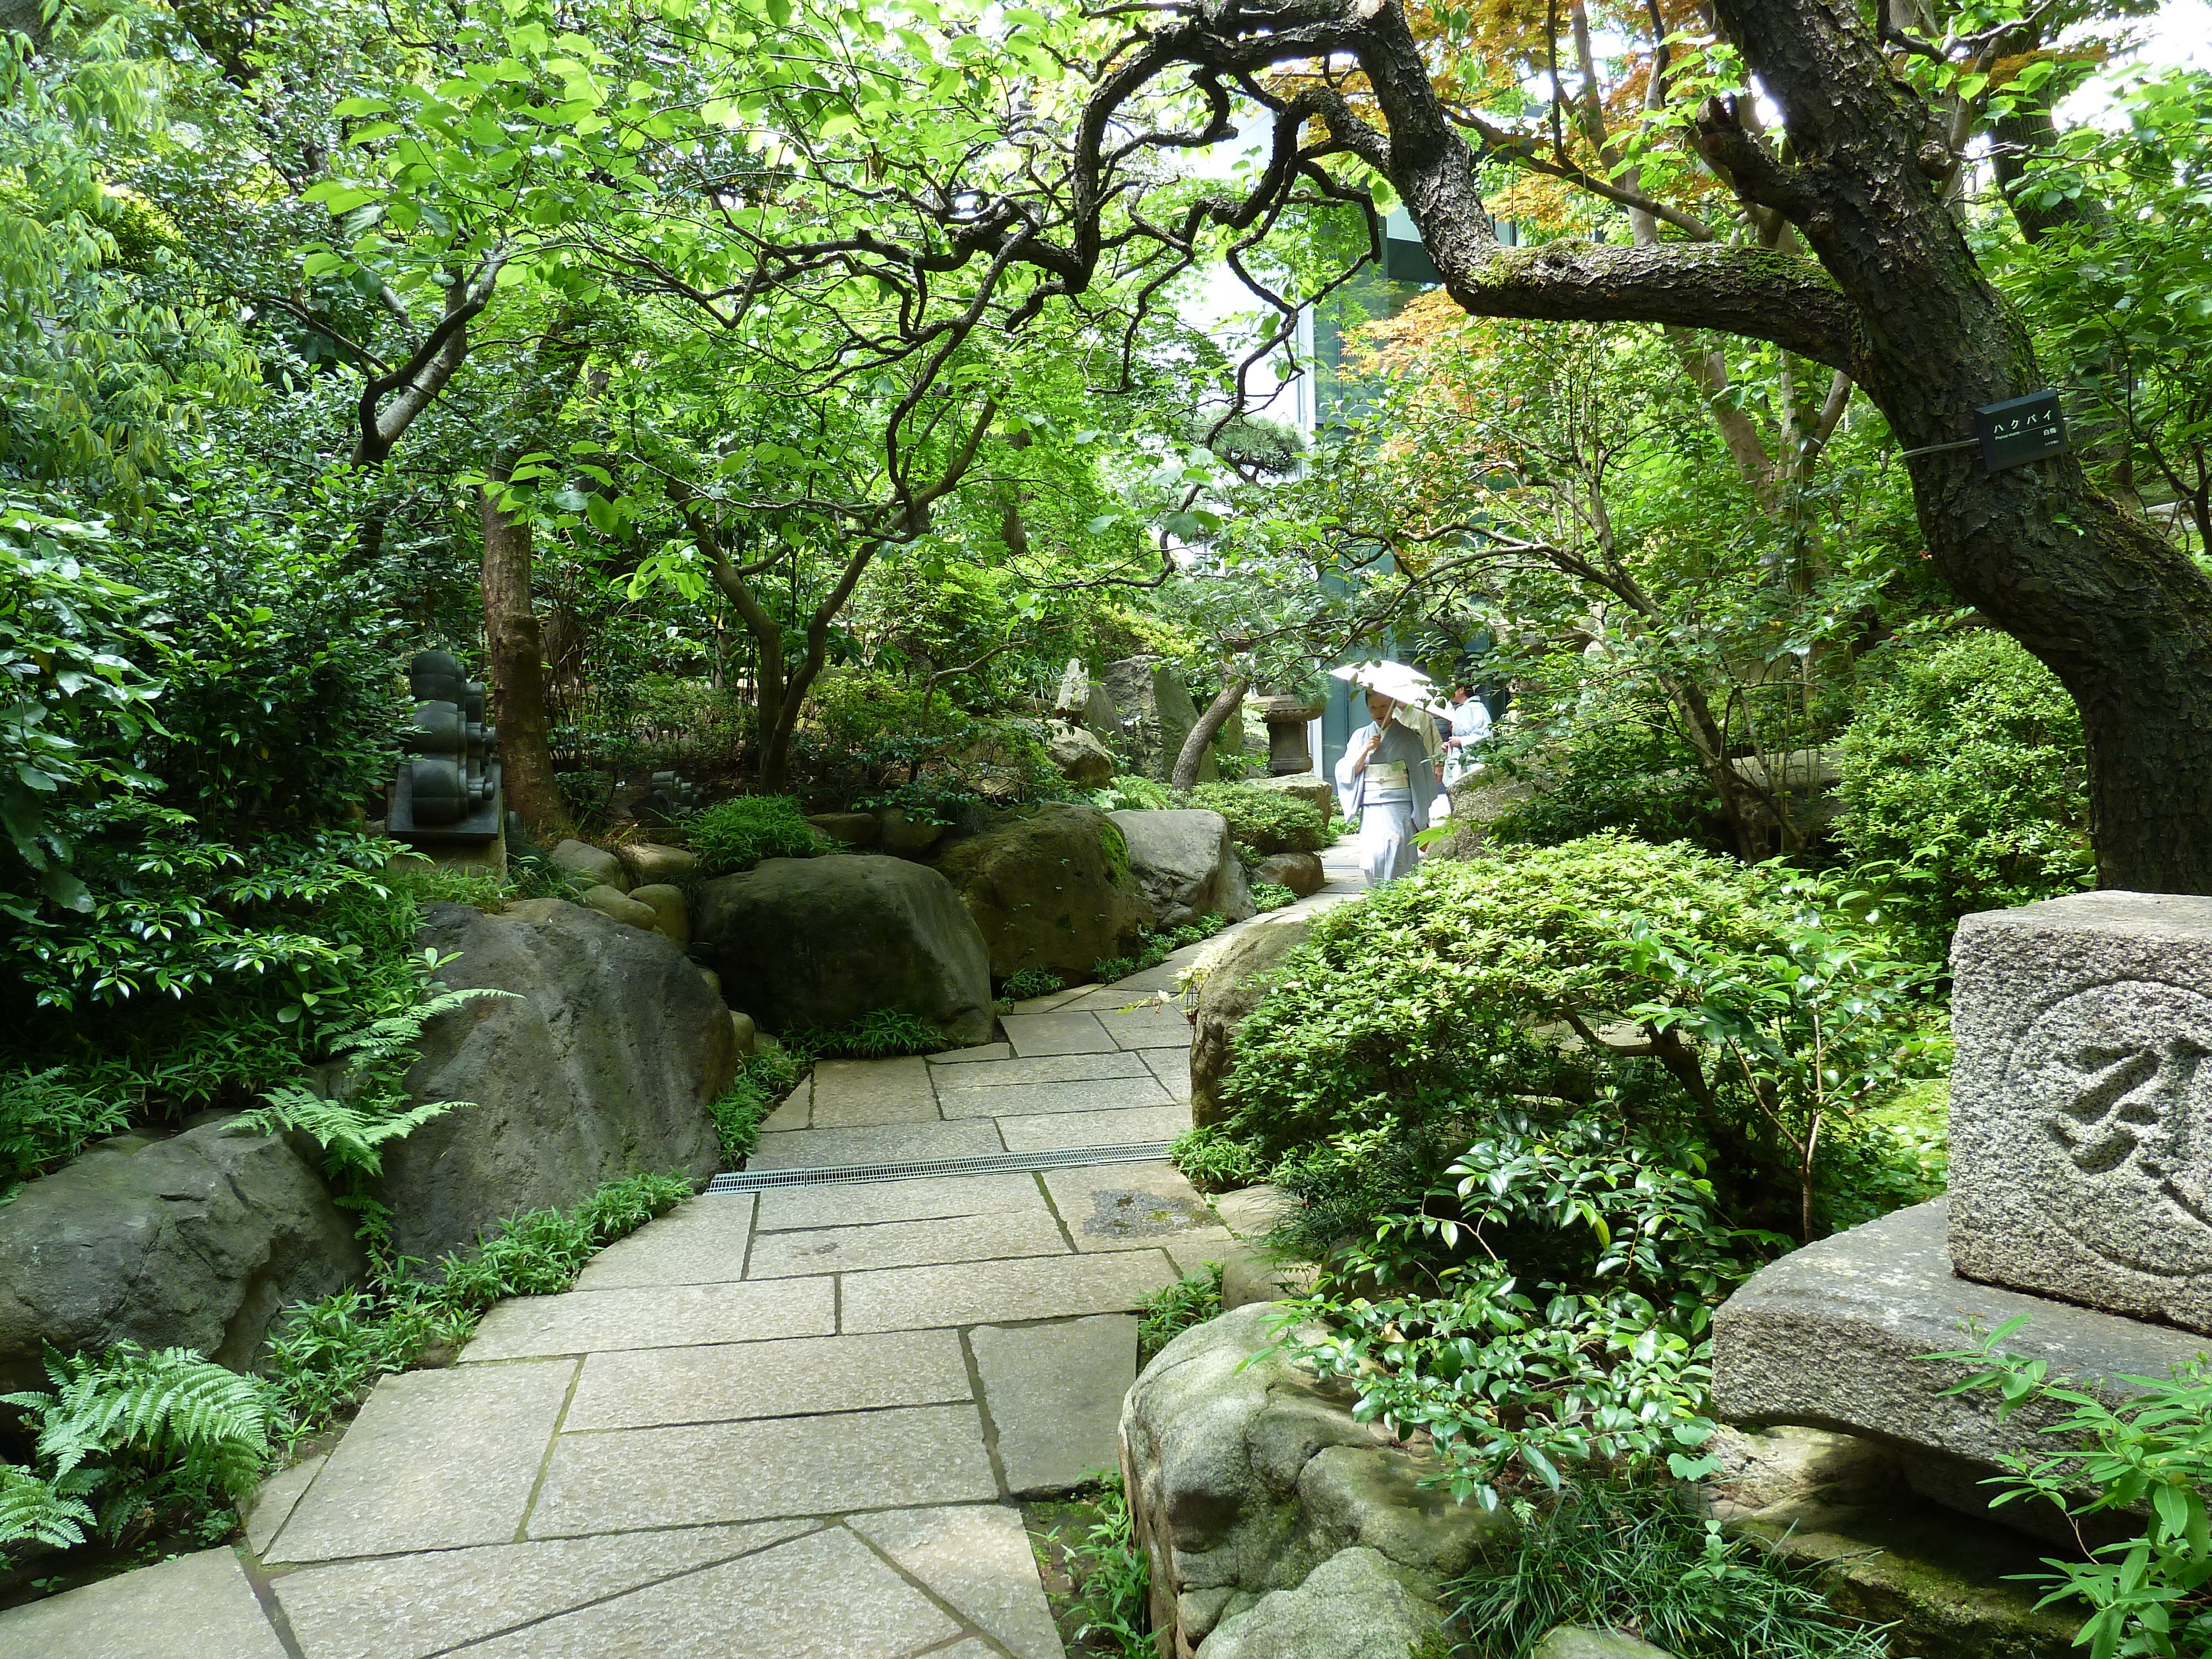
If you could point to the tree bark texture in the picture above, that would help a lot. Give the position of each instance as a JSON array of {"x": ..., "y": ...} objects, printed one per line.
[
  {"x": 1228, "y": 701},
  {"x": 518, "y": 673},
  {"x": 1892, "y": 298}
]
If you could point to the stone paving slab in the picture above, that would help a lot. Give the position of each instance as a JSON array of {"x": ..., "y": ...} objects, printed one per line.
[
  {"x": 797, "y": 1109},
  {"x": 999, "y": 1293},
  {"x": 1172, "y": 1067},
  {"x": 1056, "y": 1034},
  {"x": 896, "y": 1143},
  {"x": 1124, "y": 996},
  {"x": 1131, "y": 1207},
  {"x": 1056, "y": 1129},
  {"x": 1042, "y": 1068},
  {"x": 981, "y": 1051},
  {"x": 436, "y": 1460},
  {"x": 699, "y": 1242},
  {"x": 408, "y": 1606},
  {"x": 798, "y": 1376},
  {"x": 1051, "y": 1000},
  {"x": 276, "y": 1499},
  {"x": 195, "y": 1607},
  {"x": 856, "y": 1094},
  {"x": 977, "y": 1557},
  {"x": 862, "y": 1203},
  {"x": 629, "y": 1479},
  {"x": 905, "y": 1244},
  {"x": 1148, "y": 1028},
  {"x": 826, "y": 1596},
  {"x": 663, "y": 1317},
  {"x": 1105, "y": 1095},
  {"x": 1055, "y": 1393}
]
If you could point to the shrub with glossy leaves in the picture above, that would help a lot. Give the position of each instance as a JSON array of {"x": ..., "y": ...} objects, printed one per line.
[{"x": 1965, "y": 783}]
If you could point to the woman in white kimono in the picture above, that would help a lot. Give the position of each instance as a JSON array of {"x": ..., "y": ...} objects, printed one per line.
[
  {"x": 1387, "y": 781},
  {"x": 1470, "y": 730}
]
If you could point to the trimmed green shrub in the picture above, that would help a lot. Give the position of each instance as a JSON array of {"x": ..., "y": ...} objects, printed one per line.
[
  {"x": 1266, "y": 820},
  {"x": 1272, "y": 896},
  {"x": 1964, "y": 779},
  {"x": 738, "y": 833}
]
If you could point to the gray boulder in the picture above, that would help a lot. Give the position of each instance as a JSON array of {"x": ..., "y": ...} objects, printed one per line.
[
  {"x": 906, "y": 837},
  {"x": 858, "y": 830},
  {"x": 1186, "y": 865},
  {"x": 1835, "y": 1336},
  {"x": 1299, "y": 872},
  {"x": 1247, "y": 1476},
  {"x": 648, "y": 862},
  {"x": 1233, "y": 976},
  {"x": 1356, "y": 1605},
  {"x": 617, "y": 905},
  {"x": 823, "y": 941},
  {"x": 670, "y": 915},
  {"x": 1081, "y": 758},
  {"x": 1049, "y": 887},
  {"x": 602, "y": 1064},
  {"x": 595, "y": 864},
  {"x": 1156, "y": 715},
  {"x": 196, "y": 1240},
  {"x": 1580, "y": 1642}
]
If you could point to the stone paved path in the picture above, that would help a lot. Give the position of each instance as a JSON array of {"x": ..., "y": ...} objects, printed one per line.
[{"x": 782, "y": 1426}]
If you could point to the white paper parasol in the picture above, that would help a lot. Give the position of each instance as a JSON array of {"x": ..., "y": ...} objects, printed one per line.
[{"x": 1395, "y": 681}]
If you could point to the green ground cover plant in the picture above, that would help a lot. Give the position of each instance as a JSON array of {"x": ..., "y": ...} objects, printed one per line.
[
  {"x": 2148, "y": 1594},
  {"x": 1151, "y": 949},
  {"x": 1268, "y": 895},
  {"x": 763, "y": 1081},
  {"x": 738, "y": 833},
  {"x": 877, "y": 1035},
  {"x": 1097, "y": 1580},
  {"x": 1638, "y": 1557},
  {"x": 1174, "y": 1309},
  {"x": 1026, "y": 982}
]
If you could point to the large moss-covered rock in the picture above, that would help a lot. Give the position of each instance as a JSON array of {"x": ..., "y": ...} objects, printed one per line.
[
  {"x": 1049, "y": 887},
  {"x": 602, "y": 1064},
  {"x": 1233, "y": 975},
  {"x": 1247, "y": 1476},
  {"x": 1186, "y": 865},
  {"x": 824, "y": 941},
  {"x": 196, "y": 1240}
]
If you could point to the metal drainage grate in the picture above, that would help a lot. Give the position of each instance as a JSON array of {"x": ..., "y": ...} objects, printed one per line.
[{"x": 753, "y": 1181}]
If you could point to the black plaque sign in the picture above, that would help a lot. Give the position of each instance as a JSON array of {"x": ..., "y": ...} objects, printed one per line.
[{"x": 2020, "y": 430}]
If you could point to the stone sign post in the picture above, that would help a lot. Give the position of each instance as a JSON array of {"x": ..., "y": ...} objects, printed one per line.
[
  {"x": 2081, "y": 1104},
  {"x": 2081, "y": 1204}
]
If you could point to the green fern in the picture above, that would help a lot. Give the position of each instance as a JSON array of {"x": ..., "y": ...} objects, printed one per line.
[
  {"x": 150, "y": 1431},
  {"x": 351, "y": 1135},
  {"x": 37, "y": 1511},
  {"x": 352, "y": 1131}
]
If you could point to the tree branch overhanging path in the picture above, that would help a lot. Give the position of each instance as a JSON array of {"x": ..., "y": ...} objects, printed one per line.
[{"x": 1888, "y": 295}]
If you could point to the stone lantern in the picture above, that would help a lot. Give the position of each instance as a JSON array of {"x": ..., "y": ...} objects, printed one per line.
[{"x": 1287, "y": 719}]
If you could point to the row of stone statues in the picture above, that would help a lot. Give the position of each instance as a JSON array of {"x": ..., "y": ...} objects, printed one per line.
[{"x": 446, "y": 790}]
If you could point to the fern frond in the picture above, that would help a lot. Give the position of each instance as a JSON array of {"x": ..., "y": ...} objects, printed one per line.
[{"x": 39, "y": 1511}]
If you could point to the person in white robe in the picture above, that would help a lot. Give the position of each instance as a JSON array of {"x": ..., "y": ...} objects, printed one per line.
[
  {"x": 1387, "y": 783},
  {"x": 1470, "y": 730}
]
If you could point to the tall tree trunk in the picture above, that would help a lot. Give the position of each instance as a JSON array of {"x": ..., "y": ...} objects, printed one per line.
[
  {"x": 1230, "y": 699},
  {"x": 518, "y": 668}
]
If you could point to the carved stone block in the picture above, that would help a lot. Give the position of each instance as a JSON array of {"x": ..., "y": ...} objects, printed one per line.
[{"x": 2081, "y": 1104}]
